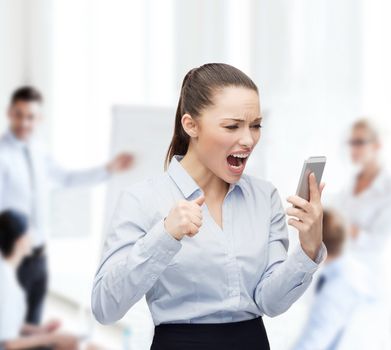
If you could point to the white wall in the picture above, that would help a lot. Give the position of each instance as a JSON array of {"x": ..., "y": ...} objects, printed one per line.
[
  {"x": 307, "y": 62},
  {"x": 25, "y": 29},
  {"x": 12, "y": 48},
  {"x": 38, "y": 55},
  {"x": 376, "y": 73}
]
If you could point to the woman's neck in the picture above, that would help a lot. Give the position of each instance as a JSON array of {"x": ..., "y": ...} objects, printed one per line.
[
  {"x": 13, "y": 261},
  {"x": 366, "y": 177},
  {"x": 370, "y": 171},
  {"x": 212, "y": 186}
]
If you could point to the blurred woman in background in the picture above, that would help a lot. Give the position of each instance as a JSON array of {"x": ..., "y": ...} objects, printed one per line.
[{"x": 366, "y": 201}]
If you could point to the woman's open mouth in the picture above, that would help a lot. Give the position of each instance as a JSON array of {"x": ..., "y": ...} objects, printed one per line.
[{"x": 236, "y": 162}]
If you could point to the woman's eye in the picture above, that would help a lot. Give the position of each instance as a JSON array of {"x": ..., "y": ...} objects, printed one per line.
[{"x": 232, "y": 127}]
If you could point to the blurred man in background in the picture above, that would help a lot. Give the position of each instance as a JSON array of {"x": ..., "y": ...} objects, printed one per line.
[
  {"x": 26, "y": 173},
  {"x": 345, "y": 313}
]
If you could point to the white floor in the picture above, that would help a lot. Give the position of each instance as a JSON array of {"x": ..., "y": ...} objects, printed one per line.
[{"x": 81, "y": 323}]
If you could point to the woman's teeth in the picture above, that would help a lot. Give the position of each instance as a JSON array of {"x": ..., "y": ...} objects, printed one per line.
[
  {"x": 236, "y": 161},
  {"x": 242, "y": 155}
]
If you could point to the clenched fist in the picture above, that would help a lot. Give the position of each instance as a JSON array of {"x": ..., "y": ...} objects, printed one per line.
[{"x": 185, "y": 218}]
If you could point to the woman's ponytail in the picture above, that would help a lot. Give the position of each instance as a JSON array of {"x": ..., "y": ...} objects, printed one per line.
[{"x": 180, "y": 140}]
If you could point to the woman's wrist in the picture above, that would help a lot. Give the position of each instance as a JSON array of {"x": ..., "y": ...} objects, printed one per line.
[
  {"x": 312, "y": 251},
  {"x": 173, "y": 235}
]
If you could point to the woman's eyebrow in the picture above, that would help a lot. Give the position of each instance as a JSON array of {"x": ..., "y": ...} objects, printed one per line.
[{"x": 242, "y": 120}]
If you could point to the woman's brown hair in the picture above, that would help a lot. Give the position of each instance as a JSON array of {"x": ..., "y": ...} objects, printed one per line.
[{"x": 198, "y": 88}]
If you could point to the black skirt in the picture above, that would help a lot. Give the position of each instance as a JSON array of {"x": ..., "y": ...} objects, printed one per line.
[{"x": 245, "y": 335}]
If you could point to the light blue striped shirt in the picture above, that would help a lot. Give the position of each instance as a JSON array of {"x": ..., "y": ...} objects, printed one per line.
[{"x": 219, "y": 275}]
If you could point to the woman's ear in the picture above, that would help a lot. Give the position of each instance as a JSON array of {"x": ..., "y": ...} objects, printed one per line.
[{"x": 189, "y": 125}]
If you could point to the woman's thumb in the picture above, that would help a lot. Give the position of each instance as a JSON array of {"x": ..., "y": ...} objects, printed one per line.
[{"x": 200, "y": 200}]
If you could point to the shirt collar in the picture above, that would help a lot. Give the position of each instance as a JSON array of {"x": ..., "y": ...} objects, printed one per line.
[
  {"x": 378, "y": 185},
  {"x": 186, "y": 183},
  {"x": 14, "y": 140},
  {"x": 331, "y": 269},
  {"x": 380, "y": 181}
]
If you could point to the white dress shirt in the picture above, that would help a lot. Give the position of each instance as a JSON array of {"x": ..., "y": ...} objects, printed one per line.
[
  {"x": 346, "y": 313},
  {"x": 27, "y": 173},
  {"x": 12, "y": 303},
  {"x": 220, "y": 275},
  {"x": 370, "y": 212}
]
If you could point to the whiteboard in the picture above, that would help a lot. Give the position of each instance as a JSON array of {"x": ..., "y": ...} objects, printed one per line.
[{"x": 146, "y": 132}]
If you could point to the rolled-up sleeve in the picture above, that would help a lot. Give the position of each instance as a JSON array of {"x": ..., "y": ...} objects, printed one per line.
[
  {"x": 286, "y": 276},
  {"x": 136, "y": 252}
]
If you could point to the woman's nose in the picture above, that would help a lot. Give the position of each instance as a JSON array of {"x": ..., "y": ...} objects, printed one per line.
[{"x": 247, "y": 139}]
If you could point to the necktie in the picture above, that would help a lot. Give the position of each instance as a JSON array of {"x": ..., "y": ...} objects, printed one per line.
[
  {"x": 30, "y": 167},
  {"x": 320, "y": 283}
]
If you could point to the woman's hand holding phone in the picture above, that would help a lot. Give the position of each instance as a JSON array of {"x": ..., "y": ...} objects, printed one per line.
[
  {"x": 185, "y": 218},
  {"x": 308, "y": 217}
]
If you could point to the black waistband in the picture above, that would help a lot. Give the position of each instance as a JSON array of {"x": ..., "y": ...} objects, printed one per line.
[
  {"x": 249, "y": 335},
  {"x": 212, "y": 326}
]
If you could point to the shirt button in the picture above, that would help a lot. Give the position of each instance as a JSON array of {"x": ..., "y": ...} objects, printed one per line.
[{"x": 153, "y": 277}]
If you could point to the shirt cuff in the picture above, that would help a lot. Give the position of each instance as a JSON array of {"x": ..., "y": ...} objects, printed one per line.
[
  {"x": 304, "y": 263},
  {"x": 160, "y": 244},
  {"x": 105, "y": 173}
]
